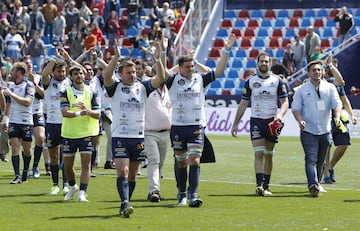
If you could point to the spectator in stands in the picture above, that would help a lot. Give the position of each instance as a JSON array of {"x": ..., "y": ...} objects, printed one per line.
[
  {"x": 112, "y": 5},
  {"x": 354, "y": 91},
  {"x": 5, "y": 13},
  {"x": 99, "y": 35},
  {"x": 20, "y": 28},
  {"x": 100, "y": 5},
  {"x": 14, "y": 44},
  {"x": 59, "y": 24},
  {"x": 98, "y": 19},
  {"x": 299, "y": 52},
  {"x": 278, "y": 68},
  {"x": 133, "y": 13},
  {"x": 113, "y": 28},
  {"x": 317, "y": 54},
  {"x": 37, "y": 20},
  {"x": 90, "y": 40},
  {"x": 154, "y": 12},
  {"x": 36, "y": 50},
  {"x": 311, "y": 41},
  {"x": 77, "y": 45},
  {"x": 346, "y": 23},
  {"x": 85, "y": 15},
  {"x": 72, "y": 15},
  {"x": 4, "y": 27},
  {"x": 288, "y": 59},
  {"x": 60, "y": 5},
  {"x": 167, "y": 15},
  {"x": 25, "y": 17},
  {"x": 49, "y": 10}
]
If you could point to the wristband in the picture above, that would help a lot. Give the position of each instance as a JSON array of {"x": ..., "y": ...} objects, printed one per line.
[
  {"x": 226, "y": 51},
  {"x": 5, "y": 120},
  {"x": 77, "y": 113},
  {"x": 163, "y": 52},
  {"x": 195, "y": 62},
  {"x": 331, "y": 66},
  {"x": 157, "y": 60}
]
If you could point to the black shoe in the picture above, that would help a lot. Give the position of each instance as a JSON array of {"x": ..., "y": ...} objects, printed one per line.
[
  {"x": 16, "y": 180},
  {"x": 154, "y": 196},
  {"x": 109, "y": 165},
  {"x": 25, "y": 176},
  {"x": 3, "y": 158},
  {"x": 92, "y": 174},
  {"x": 126, "y": 209}
]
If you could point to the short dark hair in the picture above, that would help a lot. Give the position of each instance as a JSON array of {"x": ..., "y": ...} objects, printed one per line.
[
  {"x": 59, "y": 64},
  {"x": 20, "y": 66},
  {"x": 184, "y": 58},
  {"x": 125, "y": 63},
  {"x": 263, "y": 54},
  {"x": 312, "y": 63},
  {"x": 74, "y": 68}
]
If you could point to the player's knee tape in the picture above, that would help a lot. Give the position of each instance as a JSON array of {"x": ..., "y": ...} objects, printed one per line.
[
  {"x": 182, "y": 157},
  {"x": 269, "y": 152},
  {"x": 260, "y": 149},
  {"x": 195, "y": 151}
]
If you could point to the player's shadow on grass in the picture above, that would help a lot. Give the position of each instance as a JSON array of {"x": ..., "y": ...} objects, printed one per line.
[
  {"x": 24, "y": 195},
  {"x": 352, "y": 201},
  {"x": 281, "y": 194},
  {"x": 85, "y": 217}
]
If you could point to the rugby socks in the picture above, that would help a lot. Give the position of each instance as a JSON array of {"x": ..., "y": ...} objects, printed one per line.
[
  {"x": 194, "y": 175},
  {"x": 123, "y": 188},
  {"x": 37, "y": 155},
  {"x": 55, "y": 174},
  {"x": 72, "y": 182},
  {"x": 27, "y": 160},
  {"x": 16, "y": 164},
  {"x": 132, "y": 185},
  {"x": 181, "y": 179},
  {"x": 266, "y": 181},
  {"x": 83, "y": 186},
  {"x": 259, "y": 179}
]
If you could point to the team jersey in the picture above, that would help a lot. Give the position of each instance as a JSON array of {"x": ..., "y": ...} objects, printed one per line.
[
  {"x": 188, "y": 98},
  {"x": 37, "y": 105},
  {"x": 264, "y": 94},
  {"x": 20, "y": 114},
  {"x": 97, "y": 87},
  {"x": 128, "y": 108},
  {"x": 52, "y": 99}
]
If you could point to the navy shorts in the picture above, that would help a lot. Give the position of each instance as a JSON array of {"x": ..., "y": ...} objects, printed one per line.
[
  {"x": 132, "y": 148},
  {"x": 182, "y": 136},
  {"x": 39, "y": 120},
  {"x": 259, "y": 130},
  {"x": 70, "y": 146},
  {"x": 21, "y": 131},
  {"x": 53, "y": 135},
  {"x": 339, "y": 137}
]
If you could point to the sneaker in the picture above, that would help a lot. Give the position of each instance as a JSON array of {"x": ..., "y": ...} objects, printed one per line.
[
  {"x": 267, "y": 192},
  {"x": 71, "y": 192},
  {"x": 195, "y": 203},
  {"x": 332, "y": 175},
  {"x": 3, "y": 158},
  {"x": 314, "y": 190},
  {"x": 183, "y": 201},
  {"x": 327, "y": 180},
  {"x": 126, "y": 209},
  {"x": 154, "y": 196},
  {"x": 36, "y": 173},
  {"x": 25, "y": 176},
  {"x": 54, "y": 190},
  {"x": 65, "y": 190},
  {"x": 321, "y": 188},
  {"x": 259, "y": 191},
  {"x": 92, "y": 174},
  {"x": 82, "y": 196},
  {"x": 16, "y": 180},
  {"x": 109, "y": 165},
  {"x": 48, "y": 171}
]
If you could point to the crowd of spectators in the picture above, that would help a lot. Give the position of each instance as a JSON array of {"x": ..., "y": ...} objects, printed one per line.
[{"x": 30, "y": 28}]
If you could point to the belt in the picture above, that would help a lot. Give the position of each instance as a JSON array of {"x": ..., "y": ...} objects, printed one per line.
[{"x": 163, "y": 130}]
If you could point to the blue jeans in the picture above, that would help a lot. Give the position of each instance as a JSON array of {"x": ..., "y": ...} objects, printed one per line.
[
  {"x": 344, "y": 37},
  {"x": 49, "y": 29},
  {"x": 315, "y": 148}
]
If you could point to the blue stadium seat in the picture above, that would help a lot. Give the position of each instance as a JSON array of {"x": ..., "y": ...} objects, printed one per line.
[
  {"x": 230, "y": 14},
  {"x": 263, "y": 33},
  {"x": 283, "y": 14},
  {"x": 270, "y": 52},
  {"x": 212, "y": 91},
  {"x": 330, "y": 23},
  {"x": 309, "y": 13},
  {"x": 51, "y": 51},
  {"x": 222, "y": 33},
  {"x": 357, "y": 21},
  {"x": 259, "y": 43},
  {"x": 322, "y": 13},
  {"x": 216, "y": 84},
  {"x": 290, "y": 33},
  {"x": 210, "y": 63},
  {"x": 357, "y": 13},
  {"x": 305, "y": 22},
  {"x": 279, "y": 23},
  {"x": 138, "y": 53},
  {"x": 241, "y": 53},
  {"x": 148, "y": 23},
  {"x": 335, "y": 42},
  {"x": 237, "y": 63},
  {"x": 125, "y": 51},
  {"x": 242, "y": 84},
  {"x": 251, "y": 63},
  {"x": 229, "y": 83},
  {"x": 256, "y": 14},
  {"x": 131, "y": 32},
  {"x": 238, "y": 91},
  {"x": 240, "y": 23},
  {"x": 233, "y": 74},
  {"x": 266, "y": 23},
  {"x": 279, "y": 53},
  {"x": 327, "y": 33},
  {"x": 46, "y": 40}
]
